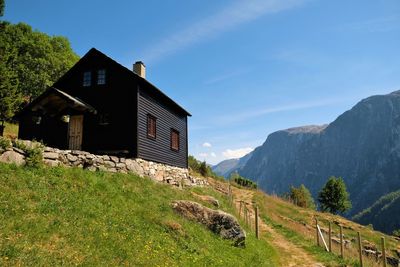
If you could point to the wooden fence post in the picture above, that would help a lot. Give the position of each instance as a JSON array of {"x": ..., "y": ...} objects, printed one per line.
[
  {"x": 360, "y": 249},
  {"x": 249, "y": 219},
  {"x": 383, "y": 251},
  {"x": 256, "y": 222},
  {"x": 341, "y": 241},
  {"x": 240, "y": 207},
  {"x": 245, "y": 215},
  {"x": 322, "y": 238},
  {"x": 230, "y": 194},
  {"x": 316, "y": 230},
  {"x": 330, "y": 237}
]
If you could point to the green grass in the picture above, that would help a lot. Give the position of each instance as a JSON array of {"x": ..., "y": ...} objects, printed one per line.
[
  {"x": 11, "y": 130},
  {"x": 60, "y": 216}
]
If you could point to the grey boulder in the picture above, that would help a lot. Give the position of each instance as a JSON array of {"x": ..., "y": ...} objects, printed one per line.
[{"x": 217, "y": 221}]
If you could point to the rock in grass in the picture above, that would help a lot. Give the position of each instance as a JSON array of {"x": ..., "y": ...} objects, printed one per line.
[
  {"x": 209, "y": 199},
  {"x": 12, "y": 157},
  {"x": 217, "y": 221}
]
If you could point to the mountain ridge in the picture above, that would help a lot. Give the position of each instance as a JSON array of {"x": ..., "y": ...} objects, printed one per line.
[
  {"x": 226, "y": 167},
  {"x": 362, "y": 146}
]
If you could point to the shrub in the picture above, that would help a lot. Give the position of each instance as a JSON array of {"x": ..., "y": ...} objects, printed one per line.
[
  {"x": 4, "y": 143},
  {"x": 301, "y": 197},
  {"x": 370, "y": 226},
  {"x": 396, "y": 232},
  {"x": 33, "y": 152}
]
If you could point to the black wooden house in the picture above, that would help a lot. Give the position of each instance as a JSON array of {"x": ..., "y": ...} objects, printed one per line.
[{"x": 104, "y": 108}]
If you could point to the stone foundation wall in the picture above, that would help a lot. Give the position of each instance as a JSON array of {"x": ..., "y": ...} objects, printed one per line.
[{"x": 72, "y": 158}]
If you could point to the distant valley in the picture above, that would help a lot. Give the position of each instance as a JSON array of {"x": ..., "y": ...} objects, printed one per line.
[{"x": 226, "y": 167}]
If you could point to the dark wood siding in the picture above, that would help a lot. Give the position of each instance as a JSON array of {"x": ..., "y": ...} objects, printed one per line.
[
  {"x": 159, "y": 149},
  {"x": 116, "y": 100}
]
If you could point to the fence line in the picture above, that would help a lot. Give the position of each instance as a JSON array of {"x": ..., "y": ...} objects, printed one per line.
[
  {"x": 246, "y": 213},
  {"x": 360, "y": 248}
]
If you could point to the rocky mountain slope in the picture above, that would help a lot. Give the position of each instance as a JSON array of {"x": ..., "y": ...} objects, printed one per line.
[{"x": 362, "y": 145}]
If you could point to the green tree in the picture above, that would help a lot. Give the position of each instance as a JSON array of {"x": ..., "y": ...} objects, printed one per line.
[
  {"x": 242, "y": 180},
  {"x": 302, "y": 197},
  {"x": 234, "y": 176},
  {"x": 36, "y": 58},
  {"x": 334, "y": 197},
  {"x": 194, "y": 164},
  {"x": 10, "y": 98},
  {"x": 2, "y": 5},
  {"x": 204, "y": 169}
]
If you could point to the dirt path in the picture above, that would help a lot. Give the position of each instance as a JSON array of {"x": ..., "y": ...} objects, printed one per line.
[{"x": 292, "y": 254}]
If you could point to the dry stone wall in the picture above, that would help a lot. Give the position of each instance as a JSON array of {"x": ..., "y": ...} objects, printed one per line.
[{"x": 73, "y": 158}]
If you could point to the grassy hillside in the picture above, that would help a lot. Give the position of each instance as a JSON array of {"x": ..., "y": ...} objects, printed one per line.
[
  {"x": 297, "y": 225},
  {"x": 384, "y": 214},
  {"x": 70, "y": 216}
]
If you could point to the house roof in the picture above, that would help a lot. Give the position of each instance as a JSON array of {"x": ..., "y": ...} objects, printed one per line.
[
  {"x": 54, "y": 101},
  {"x": 143, "y": 80}
]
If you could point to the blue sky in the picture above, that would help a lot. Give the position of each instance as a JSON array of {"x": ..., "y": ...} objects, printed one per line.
[{"x": 243, "y": 68}]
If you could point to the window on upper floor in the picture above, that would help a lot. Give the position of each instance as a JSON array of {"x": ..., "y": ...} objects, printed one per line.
[
  {"x": 101, "y": 76},
  {"x": 151, "y": 126},
  {"x": 174, "y": 140},
  {"x": 87, "y": 78}
]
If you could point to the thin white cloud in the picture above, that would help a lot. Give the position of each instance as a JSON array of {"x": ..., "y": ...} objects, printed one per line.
[
  {"x": 382, "y": 24},
  {"x": 300, "y": 56},
  {"x": 227, "y": 19},
  {"x": 236, "y": 153},
  {"x": 207, "y": 155},
  {"x": 248, "y": 114},
  {"x": 206, "y": 144},
  {"x": 242, "y": 116},
  {"x": 226, "y": 76}
]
